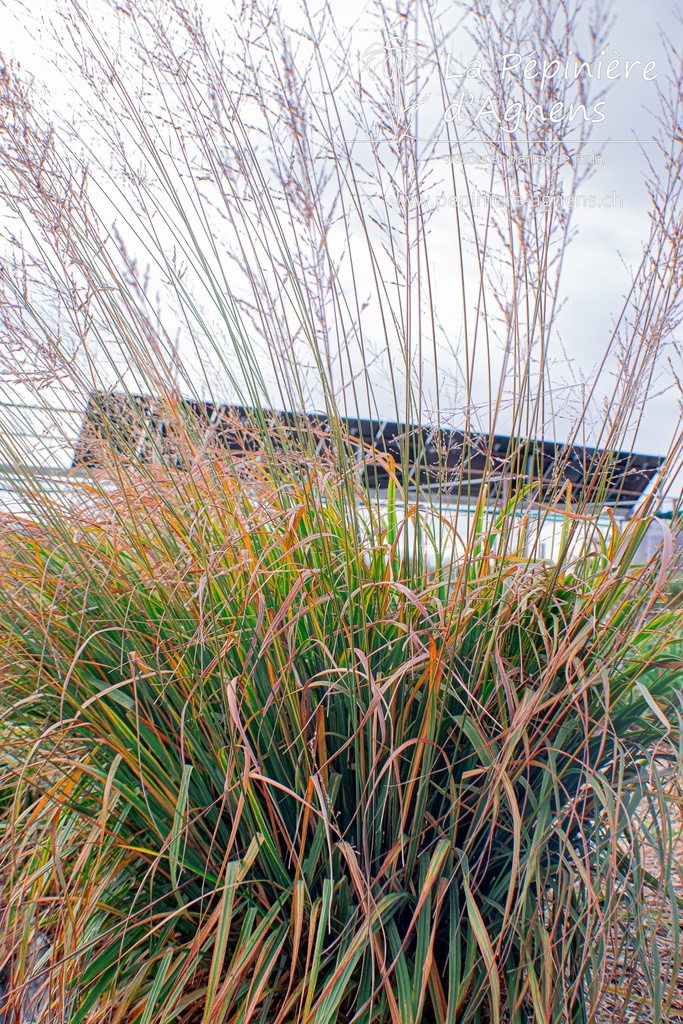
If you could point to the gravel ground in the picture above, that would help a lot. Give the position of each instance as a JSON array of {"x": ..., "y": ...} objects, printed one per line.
[{"x": 628, "y": 1000}]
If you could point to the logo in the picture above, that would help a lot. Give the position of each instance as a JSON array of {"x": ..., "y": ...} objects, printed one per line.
[{"x": 394, "y": 58}]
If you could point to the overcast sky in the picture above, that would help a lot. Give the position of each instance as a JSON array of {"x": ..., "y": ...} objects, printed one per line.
[{"x": 609, "y": 240}]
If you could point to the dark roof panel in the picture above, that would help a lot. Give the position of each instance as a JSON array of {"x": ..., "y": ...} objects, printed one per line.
[{"x": 448, "y": 459}]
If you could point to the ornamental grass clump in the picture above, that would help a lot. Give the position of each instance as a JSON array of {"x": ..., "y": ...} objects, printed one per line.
[
  {"x": 278, "y": 746},
  {"x": 258, "y": 773}
]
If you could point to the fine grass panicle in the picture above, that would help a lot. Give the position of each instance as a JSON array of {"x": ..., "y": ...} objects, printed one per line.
[{"x": 297, "y": 728}]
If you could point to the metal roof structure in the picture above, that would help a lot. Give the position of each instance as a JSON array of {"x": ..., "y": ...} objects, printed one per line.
[{"x": 450, "y": 460}]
